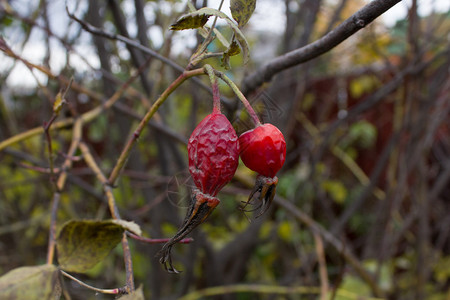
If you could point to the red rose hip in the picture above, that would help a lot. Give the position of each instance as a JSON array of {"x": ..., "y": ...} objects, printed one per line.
[
  {"x": 263, "y": 150},
  {"x": 213, "y": 151}
]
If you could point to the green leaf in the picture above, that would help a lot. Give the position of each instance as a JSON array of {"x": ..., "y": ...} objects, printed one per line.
[
  {"x": 363, "y": 85},
  {"x": 58, "y": 104},
  {"x": 232, "y": 50},
  {"x": 7, "y": 20},
  {"x": 336, "y": 190},
  {"x": 441, "y": 269},
  {"x": 136, "y": 295},
  {"x": 238, "y": 35},
  {"x": 82, "y": 244},
  {"x": 225, "y": 61},
  {"x": 129, "y": 225},
  {"x": 37, "y": 282},
  {"x": 244, "y": 46},
  {"x": 352, "y": 287},
  {"x": 363, "y": 132},
  {"x": 242, "y": 10},
  {"x": 190, "y": 22},
  {"x": 285, "y": 231}
]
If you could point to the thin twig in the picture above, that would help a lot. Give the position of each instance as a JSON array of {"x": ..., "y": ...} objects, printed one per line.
[
  {"x": 23, "y": 224},
  {"x": 208, "y": 39},
  {"x": 127, "y": 149},
  {"x": 90, "y": 161},
  {"x": 359, "y": 20},
  {"x": 128, "y": 264},
  {"x": 38, "y": 169},
  {"x": 156, "y": 241},
  {"x": 322, "y": 266},
  {"x": 329, "y": 238},
  {"x": 52, "y": 229},
  {"x": 49, "y": 145},
  {"x": 346, "y": 159},
  {"x": 59, "y": 102},
  {"x": 97, "y": 31},
  {"x": 265, "y": 289},
  {"x": 76, "y": 137},
  {"x": 326, "y": 235},
  {"x": 86, "y": 117},
  {"x": 116, "y": 291}
]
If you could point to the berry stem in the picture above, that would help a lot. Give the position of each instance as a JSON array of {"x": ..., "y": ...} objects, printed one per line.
[
  {"x": 241, "y": 97},
  {"x": 215, "y": 88}
]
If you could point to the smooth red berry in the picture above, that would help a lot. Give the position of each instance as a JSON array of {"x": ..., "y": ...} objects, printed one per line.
[
  {"x": 263, "y": 149},
  {"x": 213, "y": 151}
]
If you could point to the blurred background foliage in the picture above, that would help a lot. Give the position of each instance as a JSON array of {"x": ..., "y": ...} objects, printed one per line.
[{"x": 368, "y": 162}]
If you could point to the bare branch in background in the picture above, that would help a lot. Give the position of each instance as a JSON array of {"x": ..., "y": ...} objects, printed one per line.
[
  {"x": 137, "y": 45},
  {"x": 359, "y": 20}
]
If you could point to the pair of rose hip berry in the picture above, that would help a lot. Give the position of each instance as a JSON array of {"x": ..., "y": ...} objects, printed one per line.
[{"x": 213, "y": 151}]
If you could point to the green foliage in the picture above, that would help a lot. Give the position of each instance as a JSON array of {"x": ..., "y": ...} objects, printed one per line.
[
  {"x": 363, "y": 84},
  {"x": 238, "y": 36},
  {"x": 285, "y": 231},
  {"x": 385, "y": 277},
  {"x": 181, "y": 110},
  {"x": 168, "y": 229},
  {"x": 7, "y": 21},
  {"x": 294, "y": 182},
  {"x": 352, "y": 286},
  {"x": 82, "y": 244},
  {"x": 308, "y": 101},
  {"x": 242, "y": 10},
  {"x": 266, "y": 229},
  {"x": 31, "y": 283},
  {"x": 283, "y": 248},
  {"x": 21, "y": 192},
  {"x": 232, "y": 50},
  {"x": 362, "y": 134},
  {"x": 442, "y": 269},
  {"x": 99, "y": 129},
  {"x": 336, "y": 189},
  {"x": 190, "y": 21}
]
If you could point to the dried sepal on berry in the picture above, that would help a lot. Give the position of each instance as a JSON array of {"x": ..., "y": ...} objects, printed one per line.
[
  {"x": 264, "y": 191},
  {"x": 199, "y": 209}
]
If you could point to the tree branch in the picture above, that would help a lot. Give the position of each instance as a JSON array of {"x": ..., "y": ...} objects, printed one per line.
[
  {"x": 146, "y": 50},
  {"x": 332, "y": 240},
  {"x": 359, "y": 20}
]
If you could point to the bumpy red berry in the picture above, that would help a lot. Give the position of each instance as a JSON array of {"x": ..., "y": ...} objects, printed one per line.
[
  {"x": 263, "y": 150},
  {"x": 213, "y": 151}
]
